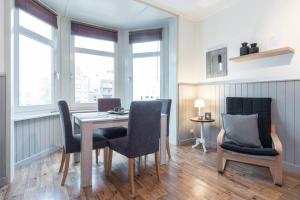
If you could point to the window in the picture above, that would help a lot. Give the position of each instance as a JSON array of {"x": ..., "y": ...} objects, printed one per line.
[
  {"x": 146, "y": 70},
  {"x": 94, "y": 69},
  {"x": 35, "y": 69}
]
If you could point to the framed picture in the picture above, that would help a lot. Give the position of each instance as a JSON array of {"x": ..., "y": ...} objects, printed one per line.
[
  {"x": 208, "y": 116},
  {"x": 216, "y": 63}
]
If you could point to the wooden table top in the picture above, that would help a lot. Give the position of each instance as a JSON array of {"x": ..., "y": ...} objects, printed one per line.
[{"x": 196, "y": 119}]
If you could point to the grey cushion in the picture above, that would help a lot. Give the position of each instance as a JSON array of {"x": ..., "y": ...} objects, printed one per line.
[{"x": 241, "y": 130}]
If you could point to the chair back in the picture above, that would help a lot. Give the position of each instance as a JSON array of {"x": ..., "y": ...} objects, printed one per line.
[
  {"x": 66, "y": 125},
  {"x": 166, "y": 109},
  {"x": 106, "y": 104},
  {"x": 143, "y": 128},
  {"x": 260, "y": 106}
]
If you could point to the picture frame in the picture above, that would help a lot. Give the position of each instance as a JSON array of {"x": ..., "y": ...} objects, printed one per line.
[
  {"x": 216, "y": 63},
  {"x": 208, "y": 115}
]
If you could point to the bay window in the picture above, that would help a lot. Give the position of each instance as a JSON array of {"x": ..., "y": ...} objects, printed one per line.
[
  {"x": 34, "y": 57},
  {"x": 94, "y": 61},
  {"x": 146, "y": 64}
]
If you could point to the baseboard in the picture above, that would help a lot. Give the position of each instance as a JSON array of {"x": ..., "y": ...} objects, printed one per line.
[
  {"x": 290, "y": 167},
  {"x": 3, "y": 181},
  {"x": 28, "y": 161}
]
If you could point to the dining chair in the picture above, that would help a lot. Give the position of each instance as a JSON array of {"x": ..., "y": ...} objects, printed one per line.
[
  {"x": 104, "y": 105},
  {"x": 142, "y": 138},
  {"x": 72, "y": 142},
  {"x": 165, "y": 109}
]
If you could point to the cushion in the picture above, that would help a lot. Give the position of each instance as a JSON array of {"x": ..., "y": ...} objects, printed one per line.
[
  {"x": 247, "y": 150},
  {"x": 260, "y": 106},
  {"x": 113, "y": 132},
  {"x": 241, "y": 130}
]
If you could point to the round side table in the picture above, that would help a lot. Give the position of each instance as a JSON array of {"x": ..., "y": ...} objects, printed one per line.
[{"x": 201, "y": 140}]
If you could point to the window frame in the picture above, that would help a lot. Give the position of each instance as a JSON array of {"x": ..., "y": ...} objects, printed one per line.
[
  {"x": 73, "y": 50},
  {"x": 150, "y": 54},
  {"x": 19, "y": 30}
]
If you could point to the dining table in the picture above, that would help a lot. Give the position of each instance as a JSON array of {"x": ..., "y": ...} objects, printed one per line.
[{"x": 90, "y": 121}]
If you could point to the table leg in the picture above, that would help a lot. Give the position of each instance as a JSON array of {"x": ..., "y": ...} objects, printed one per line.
[
  {"x": 163, "y": 140},
  {"x": 202, "y": 140},
  {"x": 86, "y": 154},
  {"x": 76, "y": 156}
]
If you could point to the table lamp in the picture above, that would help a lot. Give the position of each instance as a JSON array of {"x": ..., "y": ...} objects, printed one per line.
[{"x": 199, "y": 103}]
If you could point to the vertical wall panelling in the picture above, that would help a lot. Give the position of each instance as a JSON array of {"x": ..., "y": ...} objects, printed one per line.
[
  {"x": 281, "y": 115},
  {"x": 2, "y": 130},
  {"x": 297, "y": 123},
  {"x": 35, "y": 138},
  {"x": 285, "y": 111},
  {"x": 238, "y": 90},
  {"x": 290, "y": 120}
]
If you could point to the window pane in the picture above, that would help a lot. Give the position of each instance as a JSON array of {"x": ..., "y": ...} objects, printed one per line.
[
  {"x": 146, "y": 47},
  {"x": 35, "y": 72},
  {"x": 34, "y": 24},
  {"x": 146, "y": 78},
  {"x": 94, "y": 76},
  {"x": 96, "y": 44}
]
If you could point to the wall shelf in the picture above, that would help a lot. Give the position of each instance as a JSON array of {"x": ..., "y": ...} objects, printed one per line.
[{"x": 264, "y": 54}]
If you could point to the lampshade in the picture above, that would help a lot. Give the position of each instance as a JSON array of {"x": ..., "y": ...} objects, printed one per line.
[{"x": 199, "y": 103}]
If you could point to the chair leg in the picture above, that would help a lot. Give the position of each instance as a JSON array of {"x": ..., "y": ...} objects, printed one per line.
[
  {"x": 168, "y": 148},
  {"x": 62, "y": 162},
  {"x": 131, "y": 175},
  {"x": 157, "y": 165},
  {"x": 139, "y": 164},
  {"x": 67, "y": 162},
  {"x": 221, "y": 160},
  {"x": 109, "y": 163},
  {"x": 105, "y": 160},
  {"x": 97, "y": 155},
  {"x": 276, "y": 170},
  {"x": 145, "y": 161}
]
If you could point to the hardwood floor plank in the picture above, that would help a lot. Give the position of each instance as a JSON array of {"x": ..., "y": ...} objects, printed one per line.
[{"x": 191, "y": 174}]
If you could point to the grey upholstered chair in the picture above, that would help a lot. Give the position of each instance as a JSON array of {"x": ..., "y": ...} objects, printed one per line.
[
  {"x": 72, "y": 142},
  {"x": 271, "y": 153},
  {"x": 142, "y": 138},
  {"x": 104, "y": 105}
]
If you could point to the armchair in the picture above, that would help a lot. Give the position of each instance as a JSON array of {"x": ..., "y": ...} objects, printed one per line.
[{"x": 270, "y": 155}]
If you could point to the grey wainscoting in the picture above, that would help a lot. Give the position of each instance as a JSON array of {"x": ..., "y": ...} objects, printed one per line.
[
  {"x": 285, "y": 111},
  {"x": 2, "y": 130},
  {"x": 35, "y": 138}
]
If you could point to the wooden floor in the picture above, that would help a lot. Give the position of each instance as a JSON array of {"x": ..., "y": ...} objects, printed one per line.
[{"x": 190, "y": 174}]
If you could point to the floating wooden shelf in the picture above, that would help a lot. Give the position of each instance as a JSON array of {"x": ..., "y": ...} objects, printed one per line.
[{"x": 264, "y": 54}]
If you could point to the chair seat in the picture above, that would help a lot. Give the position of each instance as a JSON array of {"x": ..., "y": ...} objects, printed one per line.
[
  {"x": 113, "y": 132},
  {"x": 120, "y": 145},
  {"x": 247, "y": 150},
  {"x": 98, "y": 142}
]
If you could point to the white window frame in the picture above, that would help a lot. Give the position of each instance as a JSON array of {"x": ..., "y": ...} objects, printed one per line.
[
  {"x": 19, "y": 30},
  {"x": 151, "y": 54},
  {"x": 74, "y": 50}
]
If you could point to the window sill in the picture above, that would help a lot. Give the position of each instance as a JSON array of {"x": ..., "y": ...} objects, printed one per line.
[{"x": 28, "y": 116}]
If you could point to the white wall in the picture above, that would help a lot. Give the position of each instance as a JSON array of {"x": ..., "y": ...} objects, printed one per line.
[
  {"x": 188, "y": 57},
  {"x": 270, "y": 23},
  {"x": 2, "y": 69}
]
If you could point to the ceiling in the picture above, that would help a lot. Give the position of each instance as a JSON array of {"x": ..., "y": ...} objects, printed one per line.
[
  {"x": 112, "y": 13},
  {"x": 195, "y": 10}
]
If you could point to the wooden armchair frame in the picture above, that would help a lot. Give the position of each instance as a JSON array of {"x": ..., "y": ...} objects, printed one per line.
[{"x": 274, "y": 163}]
